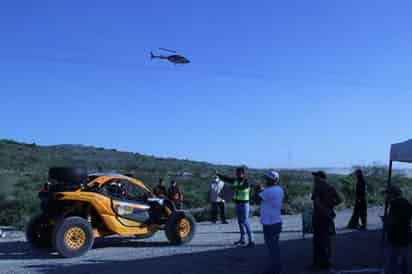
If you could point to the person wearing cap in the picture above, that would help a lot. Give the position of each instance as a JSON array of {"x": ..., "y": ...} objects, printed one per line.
[
  {"x": 360, "y": 210},
  {"x": 216, "y": 200},
  {"x": 325, "y": 198},
  {"x": 397, "y": 225},
  {"x": 241, "y": 198},
  {"x": 270, "y": 197}
]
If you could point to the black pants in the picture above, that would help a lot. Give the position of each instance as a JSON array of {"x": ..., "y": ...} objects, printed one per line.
[
  {"x": 359, "y": 212},
  {"x": 323, "y": 235},
  {"x": 218, "y": 206},
  {"x": 178, "y": 204}
]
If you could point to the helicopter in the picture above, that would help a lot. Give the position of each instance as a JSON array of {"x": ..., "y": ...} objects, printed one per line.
[{"x": 174, "y": 58}]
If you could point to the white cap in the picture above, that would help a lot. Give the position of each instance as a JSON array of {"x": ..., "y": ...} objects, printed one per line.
[{"x": 272, "y": 175}]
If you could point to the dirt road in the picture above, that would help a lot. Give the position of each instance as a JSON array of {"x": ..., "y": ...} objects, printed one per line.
[{"x": 211, "y": 251}]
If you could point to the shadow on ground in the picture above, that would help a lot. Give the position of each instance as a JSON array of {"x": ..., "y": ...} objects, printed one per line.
[
  {"x": 338, "y": 230},
  {"x": 354, "y": 250},
  {"x": 20, "y": 250}
]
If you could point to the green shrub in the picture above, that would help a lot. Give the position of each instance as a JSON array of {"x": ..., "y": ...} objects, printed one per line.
[
  {"x": 297, "y": 204},
  {"x": 23, "y": 203},
  {"x": 346, "y": 189},
  {"x": 204, "y": 214}
]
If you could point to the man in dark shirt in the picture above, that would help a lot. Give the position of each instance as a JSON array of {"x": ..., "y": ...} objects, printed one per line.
[
  {"x": 175, "y": 194},
  {"x": 325, "y": 198},
  {"x": 160, "y": 190},
  {"x": 361, "y": 207},
  {"x": 398, "y": 231}
]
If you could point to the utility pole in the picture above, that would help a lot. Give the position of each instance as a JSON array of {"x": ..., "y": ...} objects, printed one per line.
[{"x": 290, "y": 158}]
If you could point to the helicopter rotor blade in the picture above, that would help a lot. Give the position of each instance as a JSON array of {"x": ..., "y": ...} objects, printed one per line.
[{"x": 168, "y": 50}]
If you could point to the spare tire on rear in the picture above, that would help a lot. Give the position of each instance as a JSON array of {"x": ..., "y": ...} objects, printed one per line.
[{"x": 68, "y": 175}]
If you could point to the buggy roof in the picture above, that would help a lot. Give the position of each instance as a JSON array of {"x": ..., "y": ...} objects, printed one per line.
[
  {"x": 402, "y": 152},
  {"x": 107, "y": 174}
]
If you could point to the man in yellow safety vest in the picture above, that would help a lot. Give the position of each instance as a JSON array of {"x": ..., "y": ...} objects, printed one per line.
[{"x": 242, "y": 199}]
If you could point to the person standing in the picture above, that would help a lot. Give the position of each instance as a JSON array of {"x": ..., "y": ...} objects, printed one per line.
[
  {"x": 241, "y": 198},
  {"x": 160, "y": 190},
  {"x": 175, "y": 194},
  {"x": 271, "y": 198},
  {"x": 360, "y": 210},
  {"x": 325, "y": 198},
  {"x": 216, "y": 200},
  {"x": 397, "y": 225}
]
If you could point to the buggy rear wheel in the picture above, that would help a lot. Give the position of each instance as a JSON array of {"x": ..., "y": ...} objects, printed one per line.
[
  {"x": 39, "y": 232},
  {"x": 73, "y": 237}
]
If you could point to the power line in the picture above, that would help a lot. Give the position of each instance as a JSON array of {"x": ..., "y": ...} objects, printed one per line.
[{"x": 82, "y": 60}]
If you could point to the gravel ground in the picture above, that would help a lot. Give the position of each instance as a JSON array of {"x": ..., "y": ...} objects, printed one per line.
[{"x": 211, "y": 251}]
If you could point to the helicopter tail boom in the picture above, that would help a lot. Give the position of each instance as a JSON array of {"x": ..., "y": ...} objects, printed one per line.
[{"x": 152, "y": 56}]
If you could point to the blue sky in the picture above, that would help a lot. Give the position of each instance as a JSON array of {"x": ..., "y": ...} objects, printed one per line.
[{"x": 271, "y": 83}]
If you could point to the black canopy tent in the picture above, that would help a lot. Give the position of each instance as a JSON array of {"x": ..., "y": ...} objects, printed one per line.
[{"x": 400, "y": 152}]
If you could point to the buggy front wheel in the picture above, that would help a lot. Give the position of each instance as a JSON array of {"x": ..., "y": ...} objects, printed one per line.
[{"x": 180, "y": 227}]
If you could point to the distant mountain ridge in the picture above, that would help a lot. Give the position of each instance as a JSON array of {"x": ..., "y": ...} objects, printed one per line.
[
  {"x": 24, "y": 169},
  {"x": 332, "y": 170},
  {"x": 22, "y": 160},
  {"x": 346, "y": 170},
  {"x": 25, "y": 157}
]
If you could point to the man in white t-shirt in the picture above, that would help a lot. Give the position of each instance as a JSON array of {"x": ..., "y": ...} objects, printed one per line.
[
  {"x": 271, "y": 198},
  {"x": 217, "y": 201}
]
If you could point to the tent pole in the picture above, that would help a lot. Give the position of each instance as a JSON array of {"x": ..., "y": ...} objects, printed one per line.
[
  {"x": 390, "y": 173},
  {"x": 388, "y": 184},
  {"x": 386, "y": 202}
]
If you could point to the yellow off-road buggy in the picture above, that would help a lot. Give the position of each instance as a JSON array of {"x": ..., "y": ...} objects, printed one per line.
[{"x": 78, "y": 207}]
